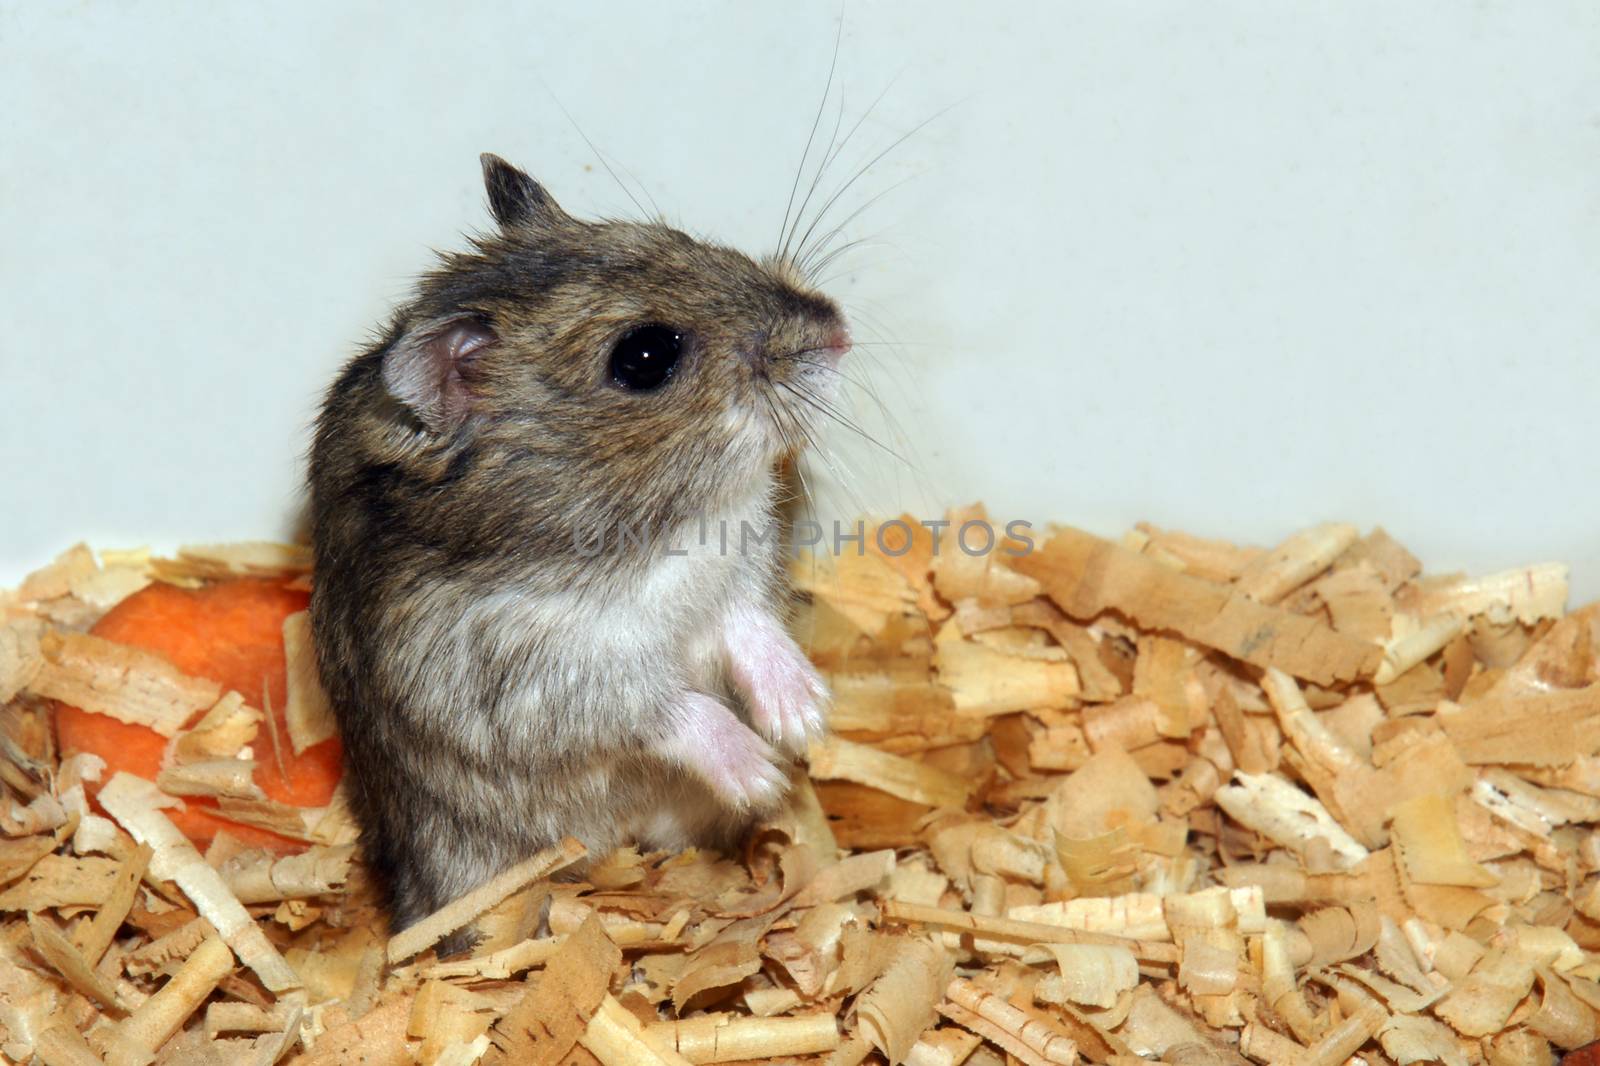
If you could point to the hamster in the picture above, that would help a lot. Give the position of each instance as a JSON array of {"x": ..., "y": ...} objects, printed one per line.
[{"x": 522, "y": 630}]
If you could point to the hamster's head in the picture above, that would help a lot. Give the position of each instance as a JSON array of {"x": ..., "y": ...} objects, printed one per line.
[{"x": 622, "y": 365}]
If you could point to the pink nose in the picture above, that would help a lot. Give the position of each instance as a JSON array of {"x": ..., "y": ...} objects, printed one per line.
[{"x": 837, "y": 343}]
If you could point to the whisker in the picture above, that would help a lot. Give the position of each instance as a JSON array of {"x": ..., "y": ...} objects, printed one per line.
[
  {"x": 655, "y": 207},
  {"x": 815, "y": 123},
  {"x": 833, "y": 153},
  {"x": 897, "y": 142},
  {"x": 815, "y": 271},
  {"x": 836, "y": 230},
  {"x": 600, "y": 156},
  {"x": 834, "y": 413},
  {"x": 896, "y": 344},
  {"x": 833, "y": 136},
  {"x": 785, "y": 417},
  {"x": 842, "y": 474}
]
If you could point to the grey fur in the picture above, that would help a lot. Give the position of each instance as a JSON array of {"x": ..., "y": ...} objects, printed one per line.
[{"x": 495, "y": 687}]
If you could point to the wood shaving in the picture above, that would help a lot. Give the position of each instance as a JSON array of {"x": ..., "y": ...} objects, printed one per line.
[
  {"x": 307, "y": 713},
  {"x": 1105, "y": 801},
  {"x": 129, "y": 684}
]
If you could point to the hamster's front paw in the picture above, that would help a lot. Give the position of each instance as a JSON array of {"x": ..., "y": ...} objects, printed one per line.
[
  {"x": 712, "y": 743},
  {"x": 787, "y": 699}
]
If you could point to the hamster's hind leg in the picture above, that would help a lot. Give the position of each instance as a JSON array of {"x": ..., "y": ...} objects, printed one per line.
[{"x": 426, "y": 864}]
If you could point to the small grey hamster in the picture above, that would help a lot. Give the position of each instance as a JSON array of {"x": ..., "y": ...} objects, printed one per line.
[{"x": 519, "y": 628}]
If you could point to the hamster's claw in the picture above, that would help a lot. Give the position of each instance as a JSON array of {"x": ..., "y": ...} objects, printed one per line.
[
  {"x": 738, "y": 765},
  {"x": 787, "y": 701}
]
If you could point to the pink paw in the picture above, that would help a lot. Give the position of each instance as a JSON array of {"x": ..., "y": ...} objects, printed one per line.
[
  {"x": 787, "y": 699},
  {"x": 722, "y": 751}
]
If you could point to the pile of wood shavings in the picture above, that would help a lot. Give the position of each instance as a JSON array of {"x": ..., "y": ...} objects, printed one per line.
[{"x": 1162, "y": 798}]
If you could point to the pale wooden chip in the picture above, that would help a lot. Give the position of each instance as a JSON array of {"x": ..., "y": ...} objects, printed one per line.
[
  {"x": 307, "y": 711},
  {"x": 1269, "y": 578},
  {"x": 240, "y": 559},
  {"x": 20, "y": 656},
  {"x": 1527, "y": 595},
  {"x": 212, "y": 777},
  {"x": 127, "y": 683},
  {"x": 834, "y": 758},
  {"x": 1087, "y": 576},
  {"x": 134, "y": 803},
  {"x": 1482, "y": 1002},
  {"x": 94, "y": 938},
  {"x": 1429, "y": 839},
  {"x": 457, "y": 913},
  {"x": 62, "y": 1045},
  {"x": 1108, "y": 790},
  {"x": 42, "y": 814},
  {"x": 729, "y": 958},
  {"x": 1539, "y": 729},
  {"x": 220, "y": 733},
  {"x": 139, "y": 1035},
  {"x": 1140, "y": 915},
  {"x": 377, "y": 1037},
  {"x": 617, "y": 1038},
  {"x": 62, "y": 881},
  {"x": 446, "y": 1016},
  {"x": 1022, "y": 1033},
  {"x": 1415, "y": 639},
  {"x": 1277, "y": 810},
  {"x": 19, "y": 856},
  {"x": 1413, "y": 1038},
  {"x": 57, "y": 578},
  {"x": 710, "y": 1038},
  {"x": 864, "y": 588},
  {"x": 69, "y": 962},
  {"x": 969, "y": 562},
  {"x": 1213, "y": 560},
  {"x": 262, "y": 877},
  {"x": 1092, "y": 975},
  {"x": 984, "y": 680},
  {"x": 902, "y": 1003},
  {"x": 852, "y": 874}
]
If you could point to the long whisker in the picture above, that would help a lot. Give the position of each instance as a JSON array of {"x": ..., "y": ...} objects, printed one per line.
[
  {"x": 834, "y": 152},
  {"x": 841, "y": 473},
  {"x": 655, "y": 207},
  {"x": 897, "y": 142},
  {"x": 805, "y": 358},
  {"x": 600, "y": 156},
  {"x": 831, "y": 411},
  {"x": 815, "y": 123},
  {"x": 838, "y": 416},
  {"x": 812, "y": 271},
  {"x": 776, "y": 409},
  {"x": 816, "y": 176},
  {"x": 897, "y": 370}
]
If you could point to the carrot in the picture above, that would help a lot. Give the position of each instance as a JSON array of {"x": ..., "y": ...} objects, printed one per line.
[{"x": 230, "y": 632}]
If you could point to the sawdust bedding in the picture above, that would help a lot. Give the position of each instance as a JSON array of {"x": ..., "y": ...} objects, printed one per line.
[{"x": 1158, "y": 798}]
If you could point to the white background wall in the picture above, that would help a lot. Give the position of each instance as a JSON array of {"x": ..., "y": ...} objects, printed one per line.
[{"x": 1233, "y": 267}]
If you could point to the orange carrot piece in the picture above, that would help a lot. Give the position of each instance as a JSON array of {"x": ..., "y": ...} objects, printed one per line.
[{"x": 232, "y": 633}]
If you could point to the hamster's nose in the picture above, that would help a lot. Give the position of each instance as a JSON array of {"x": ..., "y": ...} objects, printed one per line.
[{"x": 836, "y": 343}]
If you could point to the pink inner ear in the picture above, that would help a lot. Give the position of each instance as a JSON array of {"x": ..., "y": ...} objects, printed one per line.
[
  {"x": 461, "y": 340},
  {"x": 425, "y": 373}
]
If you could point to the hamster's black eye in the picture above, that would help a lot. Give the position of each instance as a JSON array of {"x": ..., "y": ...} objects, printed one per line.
[{"x": 645, "y": 358}]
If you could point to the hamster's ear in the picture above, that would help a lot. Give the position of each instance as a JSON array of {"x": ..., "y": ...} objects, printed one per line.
[
  {"x": 515, "y": 198},
  {"x": 428, "y": 368}
]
